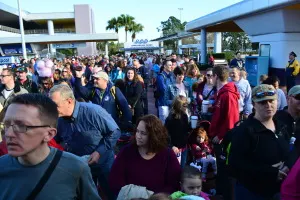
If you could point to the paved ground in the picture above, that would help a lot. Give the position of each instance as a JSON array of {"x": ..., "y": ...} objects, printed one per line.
[{"x": 151, "y": 102}]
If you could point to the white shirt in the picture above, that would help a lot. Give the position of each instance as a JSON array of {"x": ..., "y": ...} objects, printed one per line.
[
  {"x": 181, "y": 89},
  {"x": 6, "y": 93}
]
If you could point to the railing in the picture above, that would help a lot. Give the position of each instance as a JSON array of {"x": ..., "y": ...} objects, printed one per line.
[
  {"x": 9, "y": 29},
  {"x": 36, "y": 31},
  {"x": 45, "y": 31}
]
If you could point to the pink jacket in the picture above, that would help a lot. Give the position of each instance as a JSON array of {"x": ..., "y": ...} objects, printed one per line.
[{"x": 290, "y": 188}]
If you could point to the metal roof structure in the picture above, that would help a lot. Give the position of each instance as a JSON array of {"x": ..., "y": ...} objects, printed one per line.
[
  {"x": 177, "y": 36},
  {"x": 223, "y": 20},
  {"x": 61, "y": 38}
]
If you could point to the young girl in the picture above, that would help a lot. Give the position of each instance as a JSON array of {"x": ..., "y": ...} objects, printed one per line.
[
  {"x": 177, "y": 125},
  {"x": 201, "y": 151},
  {"x": 191, "y": 184}
]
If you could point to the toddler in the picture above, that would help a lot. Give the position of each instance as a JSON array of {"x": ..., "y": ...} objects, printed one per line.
[
  {"x": 191, "y": 184},
  {"x": 202, "y": 151}
]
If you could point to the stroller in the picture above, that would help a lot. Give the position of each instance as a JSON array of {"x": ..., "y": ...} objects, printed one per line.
[{"x": 210, "y": 185}]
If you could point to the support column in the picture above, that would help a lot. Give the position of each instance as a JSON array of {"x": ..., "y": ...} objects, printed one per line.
[
  {"x": 179, "y": 49},
  {"x": 51, "y": 32},
  {"x": 106, "y": 48},
  {"x": 217, "y": 42},
  {"x": 161, "y": 45},
  {"x": 203, "y": 46}
]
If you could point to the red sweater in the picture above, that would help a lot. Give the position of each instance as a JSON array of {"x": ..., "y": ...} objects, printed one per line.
[
  {"x": 225, "y": 111},
  {"x": 203, "y": 152},
  {"x": 159, "y": 174}
]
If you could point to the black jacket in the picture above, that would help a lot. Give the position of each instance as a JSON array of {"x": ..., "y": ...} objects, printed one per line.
[
  {"x": 133, "y": 92},
  {"x": 293, "y": 126},
  {"x": 178, "y": 130},
  {"x": 254, "y": 149}
]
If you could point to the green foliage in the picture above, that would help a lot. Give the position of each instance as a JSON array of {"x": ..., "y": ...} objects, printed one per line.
[
  {"x": 113, "y": 47},
  {"x": 229, "y": 55},
  {"x": 67, "y": 52},
  {"x": 134, "y": 29},
  {"x": 235, "y": 41},
  {"x": 171, "y": 26},
  {"x": 127, "y": 22},
  {"x": 113, "y": 24}
]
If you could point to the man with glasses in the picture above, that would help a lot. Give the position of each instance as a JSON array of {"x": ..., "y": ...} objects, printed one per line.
[
  {"x": 290, "y": 116},
  {"x": 25, "y": 82},
  {"x": 9, "y": 87},
  {"x": 243, "y": 86},
  {"x": 29, "y": 124},
  {"x": 86, "y": 129}
]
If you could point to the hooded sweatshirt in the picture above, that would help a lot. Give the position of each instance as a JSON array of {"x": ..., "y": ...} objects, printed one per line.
[{"x": 225, "y": 111}]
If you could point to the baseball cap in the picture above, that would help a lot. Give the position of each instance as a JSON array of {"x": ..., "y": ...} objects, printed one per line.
[
  {"x": 294, "y": 90},
  {"x": 22, "y": 69},
  {"x": 293, "y": 54},
  {"x": 263, "y": 92},
  {"x": 101, "y": 74}
]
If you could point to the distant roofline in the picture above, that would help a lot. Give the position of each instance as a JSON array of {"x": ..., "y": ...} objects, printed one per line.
[
  {"x": 49, "y": 16},
  {"x": 60, "y": 38},
  {"x": 27, "y": 16}
]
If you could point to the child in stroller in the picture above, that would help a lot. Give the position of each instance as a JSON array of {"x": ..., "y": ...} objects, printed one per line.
[{"x": 201, "y": 151}]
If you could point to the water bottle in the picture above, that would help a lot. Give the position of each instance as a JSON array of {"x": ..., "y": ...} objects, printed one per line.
[{"x": 292, "y": 142}]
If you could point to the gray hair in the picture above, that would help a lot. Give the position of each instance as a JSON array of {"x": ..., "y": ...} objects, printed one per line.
[{"x": 64, "y": 90}]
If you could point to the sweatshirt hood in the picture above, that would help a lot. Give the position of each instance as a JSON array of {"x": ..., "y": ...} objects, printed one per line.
[{"x": 230, "y": 88}]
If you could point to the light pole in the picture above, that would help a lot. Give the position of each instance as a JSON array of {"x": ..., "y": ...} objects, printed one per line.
[
  {"x": 24, "y": 51},
  {"x": 180, "y": 9}
]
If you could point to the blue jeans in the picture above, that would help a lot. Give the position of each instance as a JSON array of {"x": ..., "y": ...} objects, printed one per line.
[
  {"x": 101, "y": 170},
  {"x": 242, "y": 193},
  {"x": 183, "y": 158}
]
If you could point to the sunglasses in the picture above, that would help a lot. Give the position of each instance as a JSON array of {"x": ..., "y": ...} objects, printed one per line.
[
  {"x": 208, "y": 75},
  {"x": 45, "y": 83},
  {"x": 65, "y": 71},
  {"x": 265, "y": 94},
  {"x": 297, "y": 97}
]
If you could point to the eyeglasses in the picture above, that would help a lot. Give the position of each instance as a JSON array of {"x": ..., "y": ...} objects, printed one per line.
[
  {"x": 265, "y": 94},
  {"x": 2, "y": 76},
  {"x": 45, "y": 83},
  {"x": 209, "y": 75},
  {"x": 297, "y": 97},
  {"x": 65, "y": 71},
  {"x": 18, "y": 128}
]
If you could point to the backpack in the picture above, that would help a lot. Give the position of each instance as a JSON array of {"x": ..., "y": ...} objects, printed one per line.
[
  {"x": 226, "y": 143},
  {"x": 113, "y": 93},
  {"x": 156, "y": 93}
]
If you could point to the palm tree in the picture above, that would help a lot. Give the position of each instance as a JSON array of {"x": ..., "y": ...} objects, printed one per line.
[
  {"x": 113, "y": 24},
  {"x": 126, "y": 21},
  {"x": 134, "y": 29}
]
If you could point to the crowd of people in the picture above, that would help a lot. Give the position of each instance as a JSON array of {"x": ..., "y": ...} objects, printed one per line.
[{"x": 210, "y": 125}]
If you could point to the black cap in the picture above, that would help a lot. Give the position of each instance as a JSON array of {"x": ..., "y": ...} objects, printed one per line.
[
  {"x": 22, "y": 69},
  {"x": 293, "y": 54}
]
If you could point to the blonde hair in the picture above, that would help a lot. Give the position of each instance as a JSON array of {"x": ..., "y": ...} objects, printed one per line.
[
  {"x": 178, "y": 105},
  {"x": 190, "y": 69}
]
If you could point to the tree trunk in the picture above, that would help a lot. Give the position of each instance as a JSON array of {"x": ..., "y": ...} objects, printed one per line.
[{"x": 126, "y": 36}]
